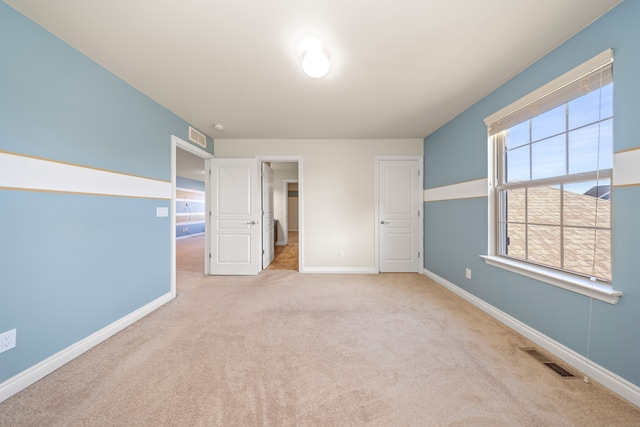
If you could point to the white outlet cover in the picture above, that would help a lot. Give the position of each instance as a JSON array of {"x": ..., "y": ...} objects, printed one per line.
[
  {"x": 7, "y": 340},
  {"x": 162, "y": 212}
]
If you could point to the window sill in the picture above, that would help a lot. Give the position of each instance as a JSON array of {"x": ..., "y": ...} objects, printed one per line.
[{"x": 561, "y": 279}]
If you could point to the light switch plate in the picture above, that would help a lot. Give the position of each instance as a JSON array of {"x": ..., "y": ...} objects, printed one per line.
[{"x": 162, "y": 212}]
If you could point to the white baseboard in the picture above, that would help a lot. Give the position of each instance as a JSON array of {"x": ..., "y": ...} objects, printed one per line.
[
  {"x": 612, "y": 381},
  {"x": 29, "y": 376},
  {"x": 279, "y": 243},
  {"x": 338, "y": 270}
]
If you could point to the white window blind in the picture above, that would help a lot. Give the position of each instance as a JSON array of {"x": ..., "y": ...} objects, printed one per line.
[{"x": 588, "y": 76}]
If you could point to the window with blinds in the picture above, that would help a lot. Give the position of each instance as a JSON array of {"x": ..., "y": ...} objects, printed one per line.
[{"x": 552, "y": 170}]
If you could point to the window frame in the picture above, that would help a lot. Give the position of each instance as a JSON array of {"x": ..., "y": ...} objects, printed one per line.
[{"x": 575, "y": 282}]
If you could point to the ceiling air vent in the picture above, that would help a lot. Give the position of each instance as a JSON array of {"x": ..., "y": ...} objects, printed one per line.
[{"x": 197, "y": 137}]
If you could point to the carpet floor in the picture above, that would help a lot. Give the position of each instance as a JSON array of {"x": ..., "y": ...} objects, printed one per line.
[{"x": 290, "y": 349}]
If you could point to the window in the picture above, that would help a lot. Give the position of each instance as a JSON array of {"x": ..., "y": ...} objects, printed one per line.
[{"x": 551, "y": 168}]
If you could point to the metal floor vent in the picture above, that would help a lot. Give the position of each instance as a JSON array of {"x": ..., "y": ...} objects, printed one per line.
[
  {"x": 548, "y": 363},
  {"x": 559, "y": 370}
]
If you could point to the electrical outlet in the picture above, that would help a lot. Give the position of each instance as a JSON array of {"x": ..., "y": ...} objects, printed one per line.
[
  {"x": 7, "y": 340},
  {"x": 468, "y": 273},
  {"x": 341, "y": 254}
]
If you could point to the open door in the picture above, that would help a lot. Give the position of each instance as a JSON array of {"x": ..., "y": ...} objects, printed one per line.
[
  {"x": 268, "y": 242},
  {"x": 235, "y": 217}
]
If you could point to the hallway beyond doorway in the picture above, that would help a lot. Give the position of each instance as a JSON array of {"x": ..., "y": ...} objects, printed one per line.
[{"x": 286, "y": 257}]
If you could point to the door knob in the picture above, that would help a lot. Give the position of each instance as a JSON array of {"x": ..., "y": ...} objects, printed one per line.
[
  {"x": 251, "y": 223},
  {"x": 384, "y": 222}
]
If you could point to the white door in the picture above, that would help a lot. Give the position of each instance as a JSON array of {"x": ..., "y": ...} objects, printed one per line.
[
  {"x": 235, "y": 217},
  {"x": 399, "y": 215},
  {"x": 267, "y": 216}
]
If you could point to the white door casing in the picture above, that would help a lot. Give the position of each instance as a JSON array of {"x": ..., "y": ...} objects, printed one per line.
[
  {"x": 267, "y": 216},
  {"x": 398, "y": 215},
  {"x": 235, "y": 217}
]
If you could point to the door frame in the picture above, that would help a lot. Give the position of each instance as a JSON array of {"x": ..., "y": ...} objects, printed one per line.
[
  {"x": 420, "y": 197},
  {"x": 178, "y": 143},
  {"x": 293, "y": 159},
  {"x": 269, "y": 235}
]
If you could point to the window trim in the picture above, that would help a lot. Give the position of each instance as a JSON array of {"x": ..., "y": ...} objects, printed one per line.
[
  {"x": 602, "y": 291},
  {"x": 561, "y": 279}
]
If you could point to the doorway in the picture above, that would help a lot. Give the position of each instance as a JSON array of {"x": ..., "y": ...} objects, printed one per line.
[
  {"x": 287, "y": 249},
  {"x": 234, "y": 192},
  {"x": 287, "y": 203},
  {"x": 189, "y": 205}
]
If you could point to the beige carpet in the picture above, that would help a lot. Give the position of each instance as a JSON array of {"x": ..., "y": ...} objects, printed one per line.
[{"x": 285, "y": 349}]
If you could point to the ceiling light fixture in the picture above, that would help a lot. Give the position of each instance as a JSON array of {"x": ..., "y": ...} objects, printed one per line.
[
  {"x": 315, "y": 61},
  {"x": 218, "y": 127}
]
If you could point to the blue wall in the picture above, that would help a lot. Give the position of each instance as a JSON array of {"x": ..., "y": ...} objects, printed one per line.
[
  {"x": 456, "y": 231},
  {"x": 189, "y": 184},
  {"x": 71, "y": 264}
]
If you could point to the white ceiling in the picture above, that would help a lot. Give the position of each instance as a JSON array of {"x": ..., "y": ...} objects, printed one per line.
[{"x": 400, "y": 69}]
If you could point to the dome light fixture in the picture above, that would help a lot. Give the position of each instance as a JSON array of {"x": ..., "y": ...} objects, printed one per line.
[{"x": 315, "y": 61}]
